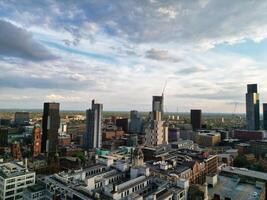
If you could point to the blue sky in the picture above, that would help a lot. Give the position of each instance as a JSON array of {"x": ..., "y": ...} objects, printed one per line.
[{"x": 122, "y": 52}]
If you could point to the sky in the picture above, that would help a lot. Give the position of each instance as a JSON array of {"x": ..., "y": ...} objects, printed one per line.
[{"x": 121, "y": 53}]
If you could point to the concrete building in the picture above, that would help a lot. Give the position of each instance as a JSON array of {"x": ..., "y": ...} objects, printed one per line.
[
  {"x": 14, "y": 177},
  {"x": 157, "y": 106},
  {"x": 50, "y": 126},
  {"x": 252, "y": 107},
  {"x": 36, "y": 141},
  {"x": 16, "y": 151},
  {"x": 135, "y": 122},
  {"x": 22, "y": 118},
  {"x": 93, "y": 134},
  {"x": 208, "y": 139},
  {"x": 195, "y": 116},
  {"x": 225, "y": 187}
]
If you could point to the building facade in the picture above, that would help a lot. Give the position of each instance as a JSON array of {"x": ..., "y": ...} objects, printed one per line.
[
  {"x": 93, "y": 134},
  {"x": 252, "y": 107},
  {"x": 14, "y": 178},
  {"x": 22, "y": 118},
  {"x": 135, "y": 122},
  {"x": 36, "y": 141},
  {"x": 265, "y": 116},
  {"x": 50, "y": 126},
  {"x": 195, "y": 116}
]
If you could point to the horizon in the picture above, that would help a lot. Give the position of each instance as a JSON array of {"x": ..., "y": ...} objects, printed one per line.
[{"x": 122, "y": 53}]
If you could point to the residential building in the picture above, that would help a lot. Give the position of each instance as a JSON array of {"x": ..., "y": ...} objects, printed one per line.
[
  {"x": 93, "y": 134},
  {"x": 50, "y": 126},
  {"x": 14, "y": 178},
  {"x": 252, "y": 107}
]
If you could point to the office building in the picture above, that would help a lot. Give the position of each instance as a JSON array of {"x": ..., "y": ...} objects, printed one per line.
[
  {"x": 123, "y": 123},
  {"x": 22, "y": 118},
  {"x": 208, "y": 139},
  {"x": 246, "y": 135},
  {"x": 135, "y": 122},
  {"x": 196, "y": 119},
  {"x": 265, "y": 116},
  {"x": 258, "y": 148},
  {"x": 50, "y": 126},
  {"x": 157, "y": 106},
  {"x": 93, "y": 134},
  {"x": 36, "y": 141},
  {"x": 14, "y": 178},
  {"x": 3, "y": 137},
  {"x": 252, "y": 107}
]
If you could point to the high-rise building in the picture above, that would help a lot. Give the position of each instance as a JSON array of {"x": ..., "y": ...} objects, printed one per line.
[
  {"x": 265, "y": 116},
  {"x": 3, "y": 137},
  {"x": 156, "y": 132},
  {"x": 36, "y": 141},
  {"x": 157, "y": 105},
  {"x": 50, "y": 126},
  {"x": 22, "y": 118},
  {"x": 252, "y": 107},
  {"x": 135, "y": 122},
  {"x": 196, "y": 119},
  {"x": 93, "y": 134},
  {"x": 123, "y": 123}
]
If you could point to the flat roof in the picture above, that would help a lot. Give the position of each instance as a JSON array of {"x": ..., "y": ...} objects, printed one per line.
[
  {"x": 232, "y": 188},
  {"x": 245, "y": 172}
]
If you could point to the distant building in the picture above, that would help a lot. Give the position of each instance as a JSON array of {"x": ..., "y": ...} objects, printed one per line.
[
  {"x": 246, "y": 135},
  {"x": 123, "y": 123},
  {"x": 36, "y": 141},
  {"x": 265, "y": 116},
  {"x": 22, "y": 118},
  {"x": 16, "y": 151},
  {"x": 196, "y": 119},
  {"x": 14, "y": 177},
  {"x": 135, "y": 122},
  {"x": 259, "y": 148},
  {"x": 51, "y": 123},
  {"x": 252, "y": 107},
  {"x": 208, "y": 139},
  {"x": 3, "y": 137},
  {"x": 93, "y": 134}
]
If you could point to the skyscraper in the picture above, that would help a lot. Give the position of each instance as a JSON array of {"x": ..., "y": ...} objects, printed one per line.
[
  {"x": 252, "y": 107},
  {"x": 93, "y": 134},
  {"x": 157, "y": 105},
  {"x": 135, "y": 122},
  {"x": 156, "y": 132},
  {"x": 265, "y": 116},
  {"x": 36, "y": 141},
  {"x": 195, "y": 119},
  {"x": 50, "y": 125}
]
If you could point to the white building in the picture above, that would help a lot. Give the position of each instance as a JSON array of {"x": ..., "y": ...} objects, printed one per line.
[{"x": 14, "y": 177}]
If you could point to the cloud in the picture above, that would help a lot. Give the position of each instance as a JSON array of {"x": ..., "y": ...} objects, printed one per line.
[
  {"x": 157, "y": 54},
  {"x": 17, "y": 42},
  {"x": 171, "y": 13}
]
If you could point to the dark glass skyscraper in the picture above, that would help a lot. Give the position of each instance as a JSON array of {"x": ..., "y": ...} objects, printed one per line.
[
  {"x": 265, "y": 116},
  {"x": 93, "y": 134},
  {"x": 135, "y": 122},
  {"x": 252, "y": 107},
  {"x": 50, "y": 126},
  {"x": 196, "y": 119}
]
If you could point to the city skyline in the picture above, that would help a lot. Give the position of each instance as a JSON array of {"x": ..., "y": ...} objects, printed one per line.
[{"x": 122, "y": 53}]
